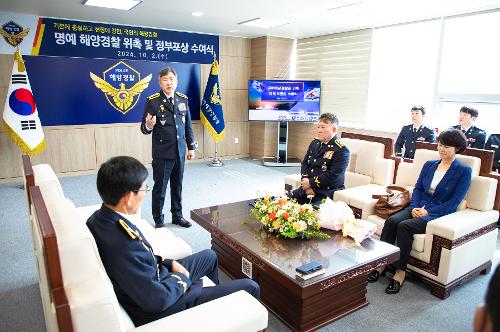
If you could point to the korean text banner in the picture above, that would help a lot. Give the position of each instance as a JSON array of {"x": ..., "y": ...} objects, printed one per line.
[
  {"x": 77, "y": 91},
  {"x": 58, "y": 37}
]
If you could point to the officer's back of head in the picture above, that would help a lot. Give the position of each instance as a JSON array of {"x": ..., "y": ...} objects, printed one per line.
[{"x": 119, "y": 176}]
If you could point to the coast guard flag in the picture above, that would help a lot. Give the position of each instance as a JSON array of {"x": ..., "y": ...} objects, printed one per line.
[
  {"x": 211, "y": 107},
  {"x": 20, "y": 117}
]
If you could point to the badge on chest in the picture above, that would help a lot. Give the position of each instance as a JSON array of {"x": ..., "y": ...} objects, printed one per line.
[{"x": 328, "y": 155}]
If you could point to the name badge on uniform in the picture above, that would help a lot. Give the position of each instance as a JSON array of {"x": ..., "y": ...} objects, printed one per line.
[
  {"x": 324, "y": 167},
  {"x": 472, "y": 140},
  {"x": 328, "y": 155},
  {"x": 494, "y": 146},
  {"x": 421, "y": 139}
]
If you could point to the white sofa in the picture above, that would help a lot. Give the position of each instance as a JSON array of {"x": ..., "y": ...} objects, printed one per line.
[
  {"x": 76, "y": 292},
  {"x": 458, "y": 246},
  {"x": 368, "y": 173}
]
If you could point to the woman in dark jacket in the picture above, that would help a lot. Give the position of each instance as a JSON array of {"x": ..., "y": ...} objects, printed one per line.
[{"x": 441, "y": 186}]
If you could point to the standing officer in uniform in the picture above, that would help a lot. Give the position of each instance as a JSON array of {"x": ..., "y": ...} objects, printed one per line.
[
  {"x": 416, "y": 132},
  {"x": 493, "y": 143},
  {"x": 167, "y": 116},
  {"x": 476, "y": 137},
  {"x": 324, "y": 165},
  {"x": 147, "y": 286}
]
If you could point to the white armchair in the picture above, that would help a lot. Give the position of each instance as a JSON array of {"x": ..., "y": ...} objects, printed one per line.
[
  {"x": 460, "y": 245},
  {"x": 368, "y": 171},
  {"x": 76, "y": 292}
]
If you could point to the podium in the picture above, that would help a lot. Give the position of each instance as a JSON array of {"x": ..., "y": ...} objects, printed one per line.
[{"x": 281, "y": 159}]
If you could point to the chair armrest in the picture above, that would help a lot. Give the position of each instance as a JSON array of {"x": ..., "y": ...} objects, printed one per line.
[
  {"x": 461, "y": 223},
  {"x": 239, "y": 311}
]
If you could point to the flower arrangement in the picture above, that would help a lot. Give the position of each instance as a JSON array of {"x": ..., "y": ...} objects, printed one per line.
[{"x": 287, "y": 218}]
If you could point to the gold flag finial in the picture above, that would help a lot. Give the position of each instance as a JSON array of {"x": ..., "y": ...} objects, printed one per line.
[{"x": 20, "y": 62}]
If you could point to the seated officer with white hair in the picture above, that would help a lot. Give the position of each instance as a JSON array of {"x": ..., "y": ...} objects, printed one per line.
[{"x": 324, "y": 165}]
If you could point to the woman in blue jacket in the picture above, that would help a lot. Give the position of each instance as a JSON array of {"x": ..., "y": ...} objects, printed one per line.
[{"x": 441, "y": 186}]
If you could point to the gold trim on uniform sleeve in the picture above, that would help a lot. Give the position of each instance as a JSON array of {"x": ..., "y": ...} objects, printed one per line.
[
  {"x": 316, "y": 181},
  {"x": 339, "y": 143},
  {"x": 133, "y": 234}
]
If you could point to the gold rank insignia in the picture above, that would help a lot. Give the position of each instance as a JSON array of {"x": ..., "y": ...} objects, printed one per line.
[
  {"x": 339, "y": 143},
  {"x": 181, "y": 95},
  {"x": 328, "y": 155},
  {"x": 153, "y": 96},
  {"x": 133, "y": 234}
]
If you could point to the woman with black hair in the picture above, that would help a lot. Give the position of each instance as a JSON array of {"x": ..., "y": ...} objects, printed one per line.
[{"x": 441, "y": 186}]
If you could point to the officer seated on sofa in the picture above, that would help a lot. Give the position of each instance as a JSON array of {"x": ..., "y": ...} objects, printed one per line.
[
  {"x": 324, "y": 165},
  {"x": 147, "y": 286}
]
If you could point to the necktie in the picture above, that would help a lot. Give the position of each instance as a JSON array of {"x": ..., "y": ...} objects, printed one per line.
[{"x": 171, "y": 100}]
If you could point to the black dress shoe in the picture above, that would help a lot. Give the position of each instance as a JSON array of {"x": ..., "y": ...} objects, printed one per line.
[
  {"x": 388, "y": 269},
  {"x": 181, "y": 222},
  {"x": 393, "y": 287},
  {"x": 373, "y": 276},
  {"x": 159, "y": 225}
]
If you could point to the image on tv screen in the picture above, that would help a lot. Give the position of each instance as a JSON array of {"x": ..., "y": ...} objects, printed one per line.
[{"x": 283, "y": 100}]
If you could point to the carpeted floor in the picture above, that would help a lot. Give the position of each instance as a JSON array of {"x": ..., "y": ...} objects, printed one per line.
[{"x": 414, "y": 308}]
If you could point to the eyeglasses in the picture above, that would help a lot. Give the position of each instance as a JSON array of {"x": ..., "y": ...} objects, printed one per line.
[{"x": 146, "y": 189}]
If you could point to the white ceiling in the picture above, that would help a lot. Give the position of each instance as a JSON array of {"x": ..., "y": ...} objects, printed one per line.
[{"x": 306, "y": 18}]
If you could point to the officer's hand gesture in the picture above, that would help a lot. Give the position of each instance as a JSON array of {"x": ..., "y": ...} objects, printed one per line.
[
  {"x": 150, "y": 120},
  {"x": 177, "y": 267}
]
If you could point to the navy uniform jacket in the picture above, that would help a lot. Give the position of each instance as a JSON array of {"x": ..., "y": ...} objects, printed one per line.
[
  {"x": 143, "y": 283},
  {"x": 407, "y": 138},
  {"x": 173, "y": 128},
  {"x": 476, "y": 137},
  {"x": 493, "y": 143},
  {"x": 325, "y": 165},
  {"x": 450, "y": 191}
]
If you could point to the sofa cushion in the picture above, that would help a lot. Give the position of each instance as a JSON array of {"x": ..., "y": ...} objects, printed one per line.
[
  {"x": 44, "y": 173},
  {"x": 360, "y": 197},
  {"x": 365, "y": 152},
  {"x": 481, "y": 194},
  {"x": 293, "y": 180},
  {"x": 356, "y": 180}
]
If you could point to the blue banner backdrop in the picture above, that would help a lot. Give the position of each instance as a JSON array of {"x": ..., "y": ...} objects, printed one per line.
[
  {"x": 58, "y": 37},
  {"x": 66, "y": 94}
]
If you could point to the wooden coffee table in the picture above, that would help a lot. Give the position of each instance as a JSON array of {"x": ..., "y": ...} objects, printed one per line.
[{"x": 245, "y": 250}]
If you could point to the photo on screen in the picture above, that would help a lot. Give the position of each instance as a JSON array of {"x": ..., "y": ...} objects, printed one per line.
[{"x": 284, "y": 100}]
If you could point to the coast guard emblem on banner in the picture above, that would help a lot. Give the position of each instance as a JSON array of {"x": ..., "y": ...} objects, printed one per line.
[
  {"x": 13, "y": 33},
  {"x": 122, "y": 86}
]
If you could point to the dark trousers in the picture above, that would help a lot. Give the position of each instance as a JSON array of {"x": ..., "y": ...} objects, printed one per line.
[
  {"x": 163, "y": 171},
  {"x": 204, "y": 263},
  {"x": 401, "y": 227}
]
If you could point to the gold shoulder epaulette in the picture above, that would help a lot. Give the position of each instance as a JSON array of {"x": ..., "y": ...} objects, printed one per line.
[
  {"x": 154, "y": 95},
  {"x": 339, "y": 143},
  {"x": 133, "y": 234},
  {"x": 181, "y": 94}
]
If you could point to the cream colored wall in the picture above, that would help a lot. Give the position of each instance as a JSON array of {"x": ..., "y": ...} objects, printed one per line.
[{"x": 80, "y": 149}]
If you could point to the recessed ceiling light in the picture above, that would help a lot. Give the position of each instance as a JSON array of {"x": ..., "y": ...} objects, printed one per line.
[
  {"x": 197, "y": 14},
  {"x": 265, "y": 23},
  {"x": 114, "y": 4}
]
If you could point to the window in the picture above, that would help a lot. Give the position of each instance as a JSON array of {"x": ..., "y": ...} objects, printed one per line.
[{"x": 403, "y": 73}]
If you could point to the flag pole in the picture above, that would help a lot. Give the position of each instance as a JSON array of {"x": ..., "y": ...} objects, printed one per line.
[{"x": 216, "y": 162}]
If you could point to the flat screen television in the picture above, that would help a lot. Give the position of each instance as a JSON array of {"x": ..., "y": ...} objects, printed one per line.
[{"x": 283, "y": 100}]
